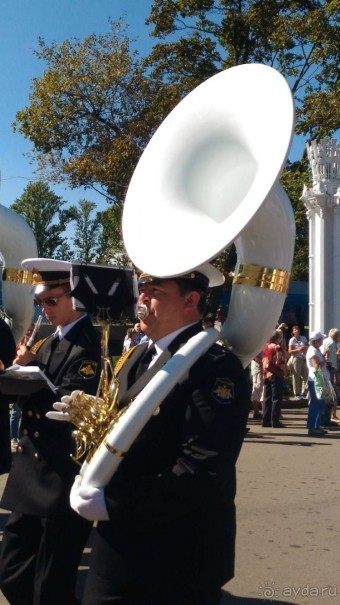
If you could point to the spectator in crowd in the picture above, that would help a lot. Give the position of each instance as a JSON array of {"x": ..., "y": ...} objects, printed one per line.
[
  {"x": 329, "y": 349},
  {"x": 138, "y": 332},
  {"x": 274, "y": 363},
  {"x": 297, "y": 348},
  {"x": 315, "y": 362},
  {"x": 256, "y": 371},
  {"x": 129, "y": 340}
]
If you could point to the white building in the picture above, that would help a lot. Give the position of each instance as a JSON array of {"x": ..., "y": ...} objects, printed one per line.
[{"x": 323, "y": 212}]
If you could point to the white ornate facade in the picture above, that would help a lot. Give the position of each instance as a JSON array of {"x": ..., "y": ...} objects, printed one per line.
[{"x": 323, "y": 212}]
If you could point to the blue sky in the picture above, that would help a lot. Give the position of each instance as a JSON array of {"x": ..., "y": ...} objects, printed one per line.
[{"x": 21, "y": 22}]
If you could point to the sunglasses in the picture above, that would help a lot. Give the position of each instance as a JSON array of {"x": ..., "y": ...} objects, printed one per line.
[{"x": 50, "y": 301}]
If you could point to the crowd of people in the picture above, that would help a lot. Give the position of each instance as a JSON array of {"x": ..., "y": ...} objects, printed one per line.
[
  {"x": 303, "y": 362},
  {"x": 166, "y": 521}
]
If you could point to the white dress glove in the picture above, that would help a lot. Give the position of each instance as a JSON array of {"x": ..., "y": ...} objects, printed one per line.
[
  {"x": 88, "y": 502},
  {"x": 62, "y": 406}
]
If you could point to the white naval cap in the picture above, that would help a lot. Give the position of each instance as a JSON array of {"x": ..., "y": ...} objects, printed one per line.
[
  {"x": 47, "y": 273},
  {"x": 206, "y": 275}
]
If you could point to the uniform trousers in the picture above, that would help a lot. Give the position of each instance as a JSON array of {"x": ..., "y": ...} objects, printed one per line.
[{"x": 40, "y": 557}]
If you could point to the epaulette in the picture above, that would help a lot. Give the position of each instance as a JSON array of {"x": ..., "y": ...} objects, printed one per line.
[
  {"x": 35, "y": 348},
  {"x": 123, "y": 359}
]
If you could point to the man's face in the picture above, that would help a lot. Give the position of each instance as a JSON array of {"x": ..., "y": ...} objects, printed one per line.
[
  {"x": 57, "y": 306},
  {"x": 169, "y": 310}
]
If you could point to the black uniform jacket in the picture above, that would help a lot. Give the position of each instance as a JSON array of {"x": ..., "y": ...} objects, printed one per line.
[
  {"x": 171, "y": 501},
  {"x": 42, "y": 472},
  {"x": 7, "y": 354}
]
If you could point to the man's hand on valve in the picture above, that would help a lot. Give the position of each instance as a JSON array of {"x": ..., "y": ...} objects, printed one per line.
[
  {"x": 79, "y": 408},
  {"x": 88, "y": 502},
  {"x": 62, "y": 407}
]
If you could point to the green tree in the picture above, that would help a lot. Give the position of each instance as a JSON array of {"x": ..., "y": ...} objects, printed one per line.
[
  {"x": 293, "y": 178},
  {"x": 199, "y": 38},
  {"x": 88, "y": 230},
  {"x": 97, "y": 104},
  {"x": 300, "y": 38},
  {"x": 110, "y": 249},
  {"x": 91, "y": 114},
  {"x": 43, "y": 211}
]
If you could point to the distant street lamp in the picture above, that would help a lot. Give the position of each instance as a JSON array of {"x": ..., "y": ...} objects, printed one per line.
[{"x": 323, "y": 212}]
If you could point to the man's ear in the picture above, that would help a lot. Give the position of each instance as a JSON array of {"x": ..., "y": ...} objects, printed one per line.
[{"x": 192, "y": 299}]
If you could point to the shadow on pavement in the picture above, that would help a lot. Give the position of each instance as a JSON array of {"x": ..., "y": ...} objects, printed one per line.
[{"x": 229, "y": 599}]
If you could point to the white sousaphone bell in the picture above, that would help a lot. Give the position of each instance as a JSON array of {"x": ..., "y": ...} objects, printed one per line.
[
  {"x": 17, "y": 242},
  {"x": 209, "y": 177}
]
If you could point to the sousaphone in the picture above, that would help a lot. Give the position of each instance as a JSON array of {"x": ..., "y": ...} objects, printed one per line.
[
  {"x": 17, "y": 242},
  {"x": 209, "y": 177}
]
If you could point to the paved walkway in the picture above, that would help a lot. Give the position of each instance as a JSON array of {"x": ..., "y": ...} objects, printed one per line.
[{"x": 288, "y": 517}]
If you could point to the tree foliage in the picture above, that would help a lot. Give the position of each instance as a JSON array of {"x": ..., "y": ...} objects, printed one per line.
[
  {"x": 92, "y": 112},
  {"x": 43, "y": 211},
  {"x": 293, "y": 178},
  {"x": 300, "y": 38},
  {"x": 97, "y": 104},
  {"x": 198, "y": 38},
  {"x": 88, "y": 232}
]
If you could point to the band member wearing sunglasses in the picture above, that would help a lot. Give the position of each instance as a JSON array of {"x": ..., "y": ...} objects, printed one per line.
[{"x": 43, "y": 538}]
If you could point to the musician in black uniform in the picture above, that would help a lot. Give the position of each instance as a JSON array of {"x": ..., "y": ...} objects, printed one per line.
[
  {"x": 44, "y": 539},
  {"x": 7, "y": 354},
  {"x": 167, "y": 529}
]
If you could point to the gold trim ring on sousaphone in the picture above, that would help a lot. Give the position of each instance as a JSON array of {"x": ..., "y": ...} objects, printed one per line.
[
  {"x": 17, "y": 276},
  {"x": 257, "y": 276},
  {"x": 209, "y": 177}
]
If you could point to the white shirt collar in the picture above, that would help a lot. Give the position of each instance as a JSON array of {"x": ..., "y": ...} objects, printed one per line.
[
  {"x": 163, "y": 343},
  {"x": 62, "y": 331}
]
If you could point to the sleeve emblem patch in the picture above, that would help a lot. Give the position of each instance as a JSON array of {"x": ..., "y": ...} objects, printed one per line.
[
  {"x": 223, "y": 391},
  {"x": 88, "y": 369}
]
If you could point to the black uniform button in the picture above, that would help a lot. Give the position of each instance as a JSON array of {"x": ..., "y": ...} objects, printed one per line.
[
  {"x": 20, "y": 449},
  {"x": 25, "y": 432},
  {"x": 36, "y": 434}
]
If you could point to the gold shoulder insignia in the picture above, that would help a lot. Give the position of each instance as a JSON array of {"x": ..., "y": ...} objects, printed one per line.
[
  {"x": 35, "y": 348},
  {"x": 88, "y": 369},
  {"x": 123, "y": 359},
  {"x": 223, "y": 391}
]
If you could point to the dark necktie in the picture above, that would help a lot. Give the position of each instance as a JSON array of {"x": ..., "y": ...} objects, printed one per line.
[
  {"x": 145, "y": 361},
  {"x": 54, "y": 342}
]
